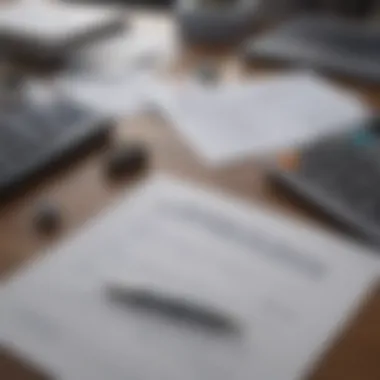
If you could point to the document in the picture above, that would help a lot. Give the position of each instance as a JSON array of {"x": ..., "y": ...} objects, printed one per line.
[
  {"x": 145, "y": 44},
  {"x": 232, "y": 121},
  {"x": 114, "y": 95},
  {"x": 118, "y": 75},
  {"x": 290, "y": 291},
  {"x": 52, "y": 22}
]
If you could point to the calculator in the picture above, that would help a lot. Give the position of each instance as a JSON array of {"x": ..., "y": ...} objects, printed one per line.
[
  {"x": 36, "y": 136},
  {"x": 340, "y": 174}
]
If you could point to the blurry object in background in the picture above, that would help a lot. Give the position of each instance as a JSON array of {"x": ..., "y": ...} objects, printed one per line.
[
  {"x": 359, "y": 9},
  {"x": 152, "y": 4},
  {"x": 11, "y": 79},
  {"x": 272, "y": 11},
  {"x": 340, "y": 174},
  {"x": 116, "y": 77},
  {"x": 332, "y": 45},
  {"x": 12, "y": 86},
  {"x": 49, "y": 32},
  {"x": 376, "y": 13},
  {"x": 235, "y": 120},
  {"x": 215, "y": 22},
  {"x": 276, "y": 10},
  {"x": 126, "y": 159},
  {"x": 47, "y": 218},
  {"x": 145, "y": 45},
  {"x": 277, "y": 280},
  {"x": 40, "y": 130}
]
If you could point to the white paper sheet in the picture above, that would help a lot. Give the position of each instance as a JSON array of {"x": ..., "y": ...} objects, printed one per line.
[
  {"x": 115, "y": 95},
  {"x": 117, "y": 76},
  {"x": 229, "y": 122},
  {"x": 289, "y": 288},
  {"x": 140, "y": 46},
  {"x": 50, "y": 20}
]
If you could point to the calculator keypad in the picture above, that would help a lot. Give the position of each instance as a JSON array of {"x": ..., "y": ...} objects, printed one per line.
[
  {"x": 28, "y": 132},
  {"x": 345, "y": 169}
]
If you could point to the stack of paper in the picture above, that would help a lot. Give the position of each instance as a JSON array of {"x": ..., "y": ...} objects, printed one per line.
[
  {"x": 228, "y": 122},
  {"x": 117, "y": 76},
  {"x": 145, "y": 44},
  {"x": 25, "y": 26},
  {"x": 289, "y": 291}
]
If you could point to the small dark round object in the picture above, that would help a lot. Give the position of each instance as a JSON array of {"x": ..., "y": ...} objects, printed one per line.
[
  {"x": 47, "y": 217},
  {"x": 127, "y": 159}
]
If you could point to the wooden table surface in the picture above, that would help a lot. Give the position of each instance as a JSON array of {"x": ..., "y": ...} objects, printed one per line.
[{"x": 82, "y": 190}]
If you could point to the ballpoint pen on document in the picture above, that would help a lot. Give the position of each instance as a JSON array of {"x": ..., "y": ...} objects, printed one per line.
[{"x": 158, "y": 299}]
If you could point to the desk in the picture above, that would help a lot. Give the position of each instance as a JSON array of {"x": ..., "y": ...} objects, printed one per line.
[{"x": 82, "y": 190}]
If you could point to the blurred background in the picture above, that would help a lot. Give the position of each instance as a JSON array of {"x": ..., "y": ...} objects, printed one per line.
[{"x": 273, "y": 102}]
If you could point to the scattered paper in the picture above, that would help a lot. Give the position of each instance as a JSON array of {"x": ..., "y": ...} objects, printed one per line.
[
  {"x": 230, "y": 121},
  {"x": 118, "y": 76},
  {"x": 44, "y": 19},
  {"x": 285, "y": 285},
  {"x": 116, "y": 95},
  {"x": 144, "y": 45}
]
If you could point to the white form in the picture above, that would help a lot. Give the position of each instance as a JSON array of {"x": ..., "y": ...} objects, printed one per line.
[
  {"x": 232, "y": 121},
  {"x": 113, "y": 94},
  {"x": 141, "y": 46},
  {"x": 290, "y": 290},
  {"x": 117, "y": 76},
  {"x": 51, "y": 22}
]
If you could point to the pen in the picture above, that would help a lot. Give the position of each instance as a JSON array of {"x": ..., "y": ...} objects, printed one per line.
[{"x": 171, "y": 305}]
